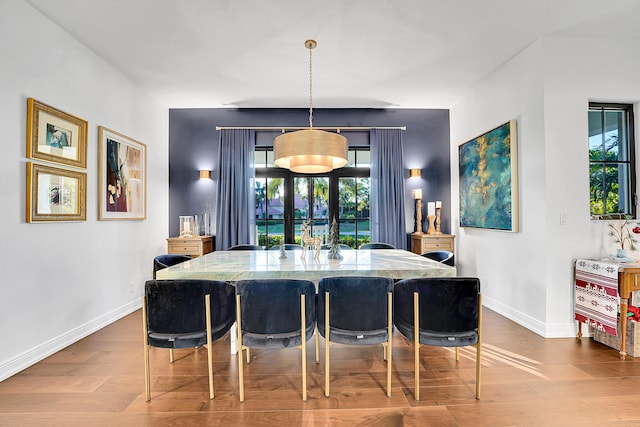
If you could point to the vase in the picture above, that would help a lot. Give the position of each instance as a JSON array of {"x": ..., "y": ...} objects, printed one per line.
[{"x": 621, "y": 253}]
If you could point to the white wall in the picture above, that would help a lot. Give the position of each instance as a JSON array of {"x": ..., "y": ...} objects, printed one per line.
[
  {"x": 62, "y": 281},
  {"x": 527, "y": 276},
  {"x": 579, "y": 70}
]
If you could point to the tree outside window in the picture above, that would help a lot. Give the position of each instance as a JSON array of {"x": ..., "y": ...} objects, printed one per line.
[
  {"x": 284, "y": 200},
  {"x": 611, "y": 160}
]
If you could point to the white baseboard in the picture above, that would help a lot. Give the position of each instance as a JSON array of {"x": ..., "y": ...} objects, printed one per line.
[
  {"x": 34, "y": 355},
  {"x": 543, "y": 329}
]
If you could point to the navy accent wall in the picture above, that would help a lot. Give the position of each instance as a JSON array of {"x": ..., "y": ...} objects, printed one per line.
[{"x": 193, "y": 146}]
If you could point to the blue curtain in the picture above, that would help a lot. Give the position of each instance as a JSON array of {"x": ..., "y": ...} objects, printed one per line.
[
  {"x": 387, "y": 188},
  {"x": 235, "y": 208}
]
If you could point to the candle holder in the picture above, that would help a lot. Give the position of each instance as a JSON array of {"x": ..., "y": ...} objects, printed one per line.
[
  {"x": 431, "y": 229},
  {"x": 438, "y": 221},
  {"x": 419, "y": 216},
  {"x": 417, "y": 196},
  {"x": 187, "y": 226}
]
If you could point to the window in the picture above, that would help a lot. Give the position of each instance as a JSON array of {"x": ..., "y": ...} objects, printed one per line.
[
  {"x": 611, "y": 160},
  {"x": 284, "y": 200}
]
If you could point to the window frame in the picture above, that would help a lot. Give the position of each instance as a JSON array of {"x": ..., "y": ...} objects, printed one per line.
[
  {"x": 288, "y": 183},
  {"x": 628, "y": 109}
]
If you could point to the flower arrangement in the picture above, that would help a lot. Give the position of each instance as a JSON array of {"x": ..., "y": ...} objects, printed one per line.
[{"x": 619, "y": 231}]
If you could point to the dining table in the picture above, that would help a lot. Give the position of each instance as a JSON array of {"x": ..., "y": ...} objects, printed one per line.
[{"x": 233, "y": 266}]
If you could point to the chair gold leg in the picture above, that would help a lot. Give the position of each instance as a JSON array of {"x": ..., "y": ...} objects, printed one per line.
[
  {"x": 145, "y": 337},
  {"x": 457, "y": 354},
  {"x": 207, "y": 304},
  {"x": 479, "y": 347},
  {"x": 388, "y": 347},
  {"x": 171, "y": 356},
  {"x": 240, "y": 361},
  {"x": 416, "y": 347},
  {"x": 248, "y": 354},
  {"x": 327, "y": 343},
  {"x": 303, "y": 311}
]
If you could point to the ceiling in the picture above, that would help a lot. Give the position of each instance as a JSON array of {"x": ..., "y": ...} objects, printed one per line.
[{"x": 371, "y": 53}]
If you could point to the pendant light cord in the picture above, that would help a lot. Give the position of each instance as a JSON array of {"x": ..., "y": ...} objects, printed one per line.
[{"x": 310, "y": 88}]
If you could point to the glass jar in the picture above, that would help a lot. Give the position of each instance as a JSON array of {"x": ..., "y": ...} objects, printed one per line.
[{"x": 187, "y": 226}]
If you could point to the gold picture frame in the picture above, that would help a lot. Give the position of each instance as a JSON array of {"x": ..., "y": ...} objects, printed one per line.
[
  {"x": 122, "y": 177},
  {"x": 55, "y": 136},
  {"x": 55, "y": 194}
]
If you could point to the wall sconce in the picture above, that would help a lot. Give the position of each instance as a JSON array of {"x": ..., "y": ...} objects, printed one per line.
[
  {"x": 415, "y": 173},
  {"x": 205, "y": 174}
]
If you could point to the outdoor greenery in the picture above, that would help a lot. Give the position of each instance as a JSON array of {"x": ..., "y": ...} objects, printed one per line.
[
  {"x": 311, "y": 201},
  {"x": 603, "y": 179},
  {"x": 611, "y": 148},
  {"x": 274, "y": 240},
  {"x": 353, "y": 195}
]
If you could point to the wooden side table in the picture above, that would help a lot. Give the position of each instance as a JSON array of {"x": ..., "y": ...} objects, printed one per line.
[
  {"x": 628, "y": 282},
  {"x": 421, "y": 243},
  {"x": 193, "y": 246}
]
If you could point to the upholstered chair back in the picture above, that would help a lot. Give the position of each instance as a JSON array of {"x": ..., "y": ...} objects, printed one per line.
[
  {"x": 445, "y": 257},
  {"x": 358, "y": 308},
  {"x": 377, "y": 245},
  {"x": 245, "y": 248},
  {"x": 176, "y": 311},
  {"x": 167, "y": 260},
  {"x": 448, "y": 308},
  {"x": 270, "y": 311}
]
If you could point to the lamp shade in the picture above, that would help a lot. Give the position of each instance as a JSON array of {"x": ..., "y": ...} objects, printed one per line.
[
  {"x": 417, "y": 193},
  {"x": 310, "y": 151}
]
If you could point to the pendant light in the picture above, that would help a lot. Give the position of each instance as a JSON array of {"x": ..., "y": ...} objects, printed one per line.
[{"x": 310, "y": 150}]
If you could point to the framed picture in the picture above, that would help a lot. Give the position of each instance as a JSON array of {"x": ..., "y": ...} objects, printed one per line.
[
  {"x": 55, "y": 136},
  {"x": 122, "y": 170},
  {"x": 55, "y": 194},
  {"x": 489, "y": 180}
]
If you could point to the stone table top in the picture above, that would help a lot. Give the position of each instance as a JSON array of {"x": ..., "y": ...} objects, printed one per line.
[{"x": 233, "y": 266}]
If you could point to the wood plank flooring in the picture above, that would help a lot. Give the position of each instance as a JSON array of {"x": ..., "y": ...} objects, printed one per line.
[{"x": 526, "y": 381}]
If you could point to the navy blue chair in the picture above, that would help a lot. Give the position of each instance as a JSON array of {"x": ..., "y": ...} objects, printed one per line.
[
  {"x": 445, "y": 257},
  {"x": 440, "y": 311},
  {"x": 163, "y": 261},
  {"x": 342, "y": 246},
  {"x": 287, "y": 247},
  {"x": 185, "y": 314},
  {"x": 274, "y": 314},
  {"x": 245, "y": 248},
  {"x": 356, "y": 310},
  {"x": 377, "y": 245}
]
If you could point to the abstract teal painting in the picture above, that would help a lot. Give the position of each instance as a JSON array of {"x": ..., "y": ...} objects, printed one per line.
[{"x": 488, "y": 180}]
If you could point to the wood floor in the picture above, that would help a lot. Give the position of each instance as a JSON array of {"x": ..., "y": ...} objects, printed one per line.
[{"x": 526, "y": 381}]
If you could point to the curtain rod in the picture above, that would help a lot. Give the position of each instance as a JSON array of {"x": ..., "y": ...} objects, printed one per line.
[{"x": 283, "y": 128}]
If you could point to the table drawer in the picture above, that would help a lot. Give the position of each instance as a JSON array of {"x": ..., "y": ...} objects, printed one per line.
[
  {"x": 437, "y": 245},
  {"x": 634, "y": 285},
  {"x": 186, "y": 249}
]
